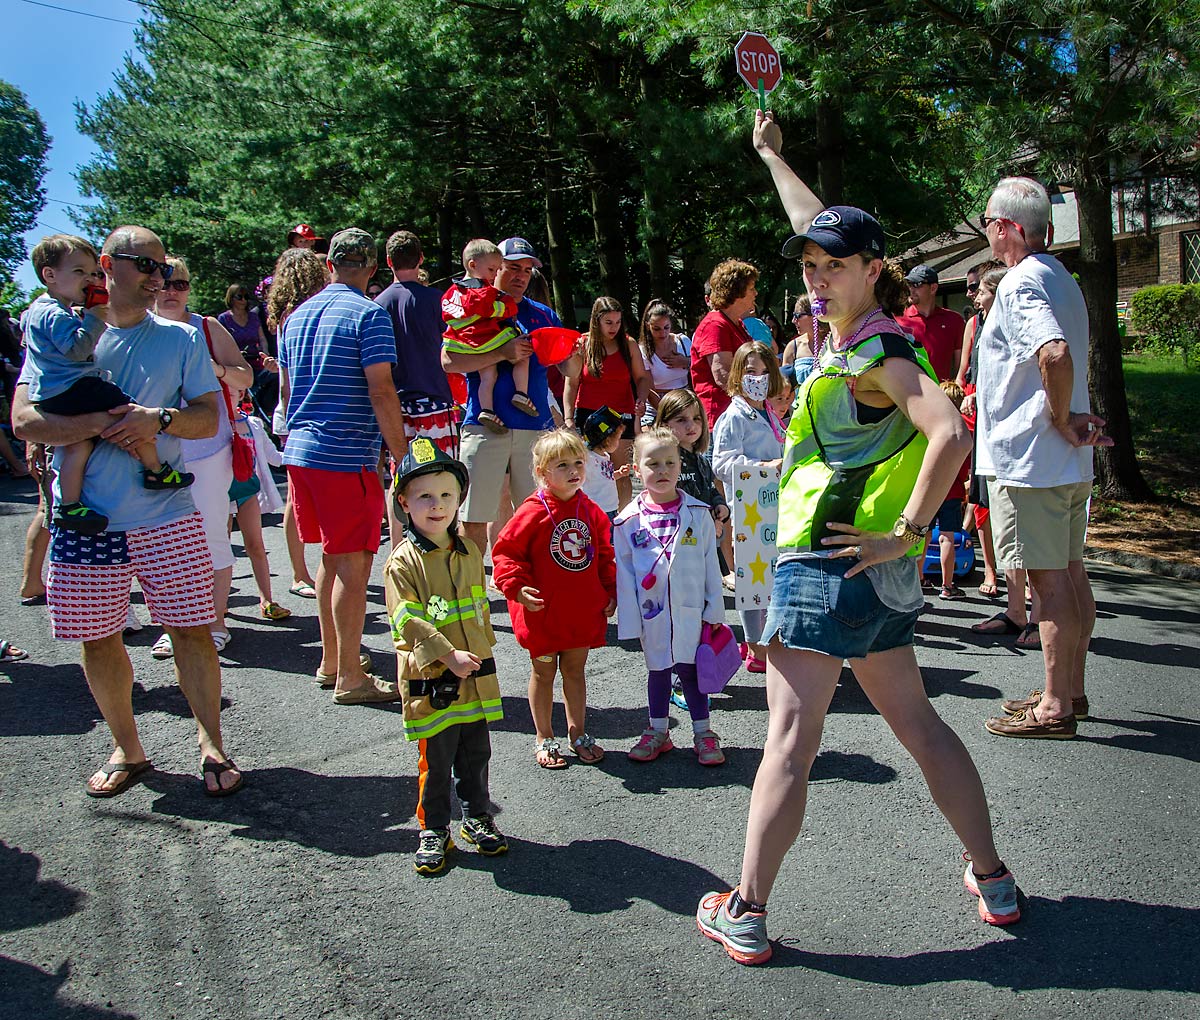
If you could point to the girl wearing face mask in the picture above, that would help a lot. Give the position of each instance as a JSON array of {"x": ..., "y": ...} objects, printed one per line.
[{"x": 749, "y": 437}]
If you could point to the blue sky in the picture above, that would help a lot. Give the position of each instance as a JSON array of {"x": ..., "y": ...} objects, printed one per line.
[{"x": 55, "y": 58}]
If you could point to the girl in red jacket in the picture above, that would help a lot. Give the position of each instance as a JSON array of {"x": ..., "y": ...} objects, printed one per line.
[{"x": 554, "y": 563}]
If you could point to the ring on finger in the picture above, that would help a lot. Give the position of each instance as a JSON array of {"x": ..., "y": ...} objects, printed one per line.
[{"x": 858, "y": 552}]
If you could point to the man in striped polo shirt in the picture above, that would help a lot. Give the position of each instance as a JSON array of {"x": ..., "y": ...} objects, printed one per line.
[{"x": 336, "y": 352}]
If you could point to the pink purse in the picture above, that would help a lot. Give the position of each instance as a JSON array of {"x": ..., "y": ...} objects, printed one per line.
[{"x": 717, "y": 658}]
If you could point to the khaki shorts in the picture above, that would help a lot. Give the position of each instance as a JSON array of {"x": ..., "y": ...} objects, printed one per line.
[
  {"x": 1038, "y": 529},
  {"x": 489, "y": 458}
]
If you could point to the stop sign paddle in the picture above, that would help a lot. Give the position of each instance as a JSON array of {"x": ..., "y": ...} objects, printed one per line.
[{"x": 757, "y": 63}]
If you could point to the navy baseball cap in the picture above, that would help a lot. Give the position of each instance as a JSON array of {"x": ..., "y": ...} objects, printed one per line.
[
  {"x": 841, "y": 231},
  {"x": 513, "y": 248}
]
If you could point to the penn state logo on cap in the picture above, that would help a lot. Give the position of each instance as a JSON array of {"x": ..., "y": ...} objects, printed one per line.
[{"x": 840, "y": 231}]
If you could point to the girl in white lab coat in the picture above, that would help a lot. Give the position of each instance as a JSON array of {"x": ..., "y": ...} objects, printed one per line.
[{"x": 668, "y": 586}]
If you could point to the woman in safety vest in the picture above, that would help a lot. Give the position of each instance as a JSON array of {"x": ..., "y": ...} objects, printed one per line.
[{"x": 872, "y": 448}]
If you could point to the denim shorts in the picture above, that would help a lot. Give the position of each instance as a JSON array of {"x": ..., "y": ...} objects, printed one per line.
[{"x": 815, "y": 608}]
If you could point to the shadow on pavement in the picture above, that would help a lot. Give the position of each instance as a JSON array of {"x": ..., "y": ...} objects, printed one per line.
[
  {"x": 33, "y": 993},
  {"x": 351, "y": 816},
  {"x": 42, "y": 700},
  {"x": 1157, "y": 653},
  {"x": 1161, "y": 734},
  {"x": 27, "y": 901},
  {"x": 597, "y": 876},
  {"x": 1075, "y": 943}
]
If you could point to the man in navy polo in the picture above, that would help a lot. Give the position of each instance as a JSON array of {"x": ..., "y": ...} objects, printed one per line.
[
  {"x": 939, "y": 330},
  {"x": 490, "y": 457}
]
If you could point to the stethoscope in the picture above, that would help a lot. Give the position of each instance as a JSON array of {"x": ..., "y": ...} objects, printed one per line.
[{"x": 651, "y": 609}]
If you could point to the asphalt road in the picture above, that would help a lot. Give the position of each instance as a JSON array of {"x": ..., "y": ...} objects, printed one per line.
[{"x": 297, "y": 897}]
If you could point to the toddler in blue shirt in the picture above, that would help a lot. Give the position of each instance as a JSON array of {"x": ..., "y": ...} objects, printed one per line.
[{"x": 62, "y": 375}]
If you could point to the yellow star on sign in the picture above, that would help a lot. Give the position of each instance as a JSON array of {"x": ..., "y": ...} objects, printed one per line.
[
  {"x": 758, "y": 570},
  {"x": 753, "y": 518}
]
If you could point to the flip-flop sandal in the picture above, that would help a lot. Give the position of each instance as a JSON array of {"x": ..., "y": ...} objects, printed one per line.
[
  {"x": 1007, "y": 626},
  {"x": 1031, "y": 638},
  {"x": 11, "y": 653},
  {"x": 273, "y": 611},
  {"x": 163, "y": 649},
  {"x": 217, "y": 769},
  {"x": 586, "y": 742},
  {"x": 304, "y": 590},
  {"x": 135, "y": 772},
  {"x": 548, "y": 754},
  {"x": 34, "y": 600},
  {"x": 520, "y": 400},
  {"x": 989, "y": 591}
]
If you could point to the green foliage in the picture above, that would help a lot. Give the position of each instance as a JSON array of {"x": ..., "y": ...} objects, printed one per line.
[
  {"x": 23, "y": 147},
  {"x": 12, "y": 296},
  {"x": 1168, "y": 317}
]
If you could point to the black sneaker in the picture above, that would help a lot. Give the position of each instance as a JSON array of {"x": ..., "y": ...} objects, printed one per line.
[
  {"x": 431, "y": 851},
  {"x": 80, "y": 518},
  {"x": 166, "y": 477},
  {"x": 482, "y": 833}
]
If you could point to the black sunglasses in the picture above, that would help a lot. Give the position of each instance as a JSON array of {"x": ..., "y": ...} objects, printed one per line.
[
  {"x": 241, "y": 297},
  {"x": 972, "y": 288},
  {"x": 146, "y": 265},
  {"x": 179, "y": 285}
]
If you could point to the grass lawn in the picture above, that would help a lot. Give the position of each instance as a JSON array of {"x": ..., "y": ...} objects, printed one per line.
[{"x": 1164, "y": 405}]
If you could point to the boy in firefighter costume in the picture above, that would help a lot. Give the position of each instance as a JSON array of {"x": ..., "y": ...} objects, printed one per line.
[{"x": 437, "y": 605}]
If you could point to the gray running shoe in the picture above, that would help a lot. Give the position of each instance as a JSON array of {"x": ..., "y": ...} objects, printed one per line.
[{"x": 744, "y": 938}]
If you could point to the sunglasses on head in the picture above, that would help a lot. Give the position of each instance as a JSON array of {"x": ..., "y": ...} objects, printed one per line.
[
  {"x": 179, "y": 285},
  {"x": 146, "y": 265}
]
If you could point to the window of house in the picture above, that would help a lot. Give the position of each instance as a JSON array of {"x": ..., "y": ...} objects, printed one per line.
[{"x": 1189, "y": 257}]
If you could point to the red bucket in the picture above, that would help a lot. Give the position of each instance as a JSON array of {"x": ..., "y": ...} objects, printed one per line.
[{"x": 553, "y": 344}]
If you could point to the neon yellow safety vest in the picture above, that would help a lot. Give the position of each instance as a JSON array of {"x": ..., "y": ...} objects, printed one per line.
[{"x": 838, "y": 470}]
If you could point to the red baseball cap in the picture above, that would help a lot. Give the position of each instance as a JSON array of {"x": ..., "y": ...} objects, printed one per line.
[{"x": 305, "y": 231}]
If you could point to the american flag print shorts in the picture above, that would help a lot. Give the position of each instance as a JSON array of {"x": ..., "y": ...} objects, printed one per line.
[{"x": 90, "y": 576}]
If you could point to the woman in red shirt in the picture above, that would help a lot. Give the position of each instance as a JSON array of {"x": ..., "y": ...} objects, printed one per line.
[
  {"x": 733, "y": 291},
  {"x": 613, "y": 376}
]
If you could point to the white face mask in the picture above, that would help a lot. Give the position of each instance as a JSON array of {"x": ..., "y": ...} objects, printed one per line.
[{"x": 756, "y": 387}]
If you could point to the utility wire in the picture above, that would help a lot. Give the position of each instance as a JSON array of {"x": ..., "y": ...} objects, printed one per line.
[{"x": 85, "y": 14}]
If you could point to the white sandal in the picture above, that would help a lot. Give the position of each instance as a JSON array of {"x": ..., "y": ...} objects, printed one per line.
[
  {"x": 163, "y": 649},
  {"x": 586, "y": 742},
  {"x": 220, "y": 638}
]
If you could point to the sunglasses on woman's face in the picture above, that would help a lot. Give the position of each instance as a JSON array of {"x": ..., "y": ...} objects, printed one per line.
[
  {"x": 146, "y": 265},
  {"x": 241, "y": 297},
  {"x": 179, "y": 285}
]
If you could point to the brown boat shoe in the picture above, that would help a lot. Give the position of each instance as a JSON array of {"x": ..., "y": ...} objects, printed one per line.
[
  {"x": 1025, "y": 724},
  {"x": 1079, "y": 706}
]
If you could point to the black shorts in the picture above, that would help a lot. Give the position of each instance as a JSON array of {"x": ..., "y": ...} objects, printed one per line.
[
  {"x": 949, "y": 517},
  {"x": 89, "y": 394},
  {"x": 582, "y": 414}
]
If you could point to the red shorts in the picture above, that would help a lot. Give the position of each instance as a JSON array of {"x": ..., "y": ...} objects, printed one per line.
[
  {"x": 90, "y": 575},
  {"x": 343, "y": 510}
]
